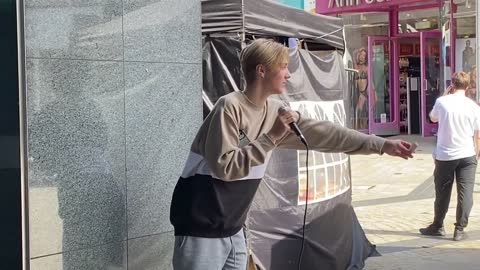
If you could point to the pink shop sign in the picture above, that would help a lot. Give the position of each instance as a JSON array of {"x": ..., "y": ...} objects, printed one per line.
[{"x": 340, "y": 6}]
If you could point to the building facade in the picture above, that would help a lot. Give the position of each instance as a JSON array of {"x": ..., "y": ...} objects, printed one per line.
[{"x": 402, "y": 54}]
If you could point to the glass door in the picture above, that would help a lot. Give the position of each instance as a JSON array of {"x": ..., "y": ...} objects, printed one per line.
[
  {"x": 383, "y": 112},
  {"x": 430, "y": 43}
]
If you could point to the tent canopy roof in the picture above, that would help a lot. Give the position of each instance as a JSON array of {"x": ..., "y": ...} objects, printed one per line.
[{"x": 268, "y": 18}]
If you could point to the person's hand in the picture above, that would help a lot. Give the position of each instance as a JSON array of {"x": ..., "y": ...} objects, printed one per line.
[
  {"x": 398, "y": 148},
  {"x": 281, "y": 126}
]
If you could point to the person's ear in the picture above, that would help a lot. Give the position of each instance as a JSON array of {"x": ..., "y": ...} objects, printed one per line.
[{"x": 260, "y": 70}]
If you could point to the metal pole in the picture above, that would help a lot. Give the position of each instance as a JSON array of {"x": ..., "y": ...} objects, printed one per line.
[
  {"x": 22, "y": 98},
  {"x": 409, "y": 121}
]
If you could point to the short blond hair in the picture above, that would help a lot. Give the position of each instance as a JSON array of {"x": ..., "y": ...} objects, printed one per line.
[
  {"x": 261, "y": 52},
  {"x": 460, "y": 80}
]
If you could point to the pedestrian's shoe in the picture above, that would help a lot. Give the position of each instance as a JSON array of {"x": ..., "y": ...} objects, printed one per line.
[
  {"x": 459, "y": 234},
  {"x": 433, "y": 230}
]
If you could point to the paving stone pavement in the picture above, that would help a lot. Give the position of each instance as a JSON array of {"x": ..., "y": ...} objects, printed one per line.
[{"x": 393, "y": 198}]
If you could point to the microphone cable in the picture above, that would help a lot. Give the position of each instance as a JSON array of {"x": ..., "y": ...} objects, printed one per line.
[
  {"x": 305, "y": 213},
  {"x": 297, "y": 131}
]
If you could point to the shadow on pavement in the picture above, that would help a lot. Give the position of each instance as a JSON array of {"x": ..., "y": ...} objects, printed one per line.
[{"x": 425, "y": 190}]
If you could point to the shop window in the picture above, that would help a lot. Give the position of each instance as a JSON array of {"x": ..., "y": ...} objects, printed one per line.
[
  {"x": 418, "y": 20},
  {"x": 465, "y": 41},
  {"x": 358, "y": 27},
  {"x": 445, "y": 60}
]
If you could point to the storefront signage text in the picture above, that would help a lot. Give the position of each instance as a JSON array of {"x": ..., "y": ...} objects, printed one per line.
[
  {"x": 349, "y": 3},
  {"x": 340, "y": 6}
]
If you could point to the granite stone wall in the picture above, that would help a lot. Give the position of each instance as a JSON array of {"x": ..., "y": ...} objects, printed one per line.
[{"x": 113, "y": 103}]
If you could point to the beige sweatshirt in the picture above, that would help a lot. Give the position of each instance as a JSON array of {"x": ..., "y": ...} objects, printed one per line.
[{"x": 228, "y": 159}]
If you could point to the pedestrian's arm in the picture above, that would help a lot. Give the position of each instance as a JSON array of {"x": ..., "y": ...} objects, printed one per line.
[
  {"x": 434, "y": 113},
  {"x": 448, "y": 91},
  {"x": 476, "y": 142},
  {"x": 476, "y": 133}
]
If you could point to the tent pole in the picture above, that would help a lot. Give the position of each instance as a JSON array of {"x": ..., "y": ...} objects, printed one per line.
[{"x": 243, "y": 22}]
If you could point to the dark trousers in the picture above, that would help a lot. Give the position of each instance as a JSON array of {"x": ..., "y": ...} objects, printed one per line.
[{"x": 463, "y": 170}]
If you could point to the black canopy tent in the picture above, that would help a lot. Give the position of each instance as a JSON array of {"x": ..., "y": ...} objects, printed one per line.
[
  {"x": 317, "y": 88},
  {"x": 264, "y": 17},
  {"x": 243, "y": 20}
]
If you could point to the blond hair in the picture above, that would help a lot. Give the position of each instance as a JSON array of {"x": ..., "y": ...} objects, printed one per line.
[
  {"x": 261, "y": 52},
  {"x": 460, "y": 80},
  {"x": 359, "y": 52}
]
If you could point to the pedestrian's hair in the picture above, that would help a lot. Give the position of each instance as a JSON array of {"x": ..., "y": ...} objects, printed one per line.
[
  {"x": 460, "y": 80},
  {"x": 261, "y": 52}
]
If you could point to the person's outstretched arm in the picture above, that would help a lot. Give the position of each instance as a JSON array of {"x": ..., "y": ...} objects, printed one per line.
[{"x": 326, "y": 136}]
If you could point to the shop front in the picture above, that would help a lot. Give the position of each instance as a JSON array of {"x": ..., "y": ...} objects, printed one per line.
[{"x": 402, "y": 54}]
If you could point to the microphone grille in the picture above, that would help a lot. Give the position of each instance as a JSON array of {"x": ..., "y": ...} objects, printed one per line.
[{"x": 283, "y": 109}]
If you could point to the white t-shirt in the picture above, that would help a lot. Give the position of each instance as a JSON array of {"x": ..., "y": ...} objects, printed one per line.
[{"x": 458, "y": 117}]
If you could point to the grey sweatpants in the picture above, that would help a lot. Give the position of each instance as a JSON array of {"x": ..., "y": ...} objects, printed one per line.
[{"x": 198, "y": 253}]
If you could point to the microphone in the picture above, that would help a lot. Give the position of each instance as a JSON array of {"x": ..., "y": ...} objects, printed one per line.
[{"x": 293, "y": 125}]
